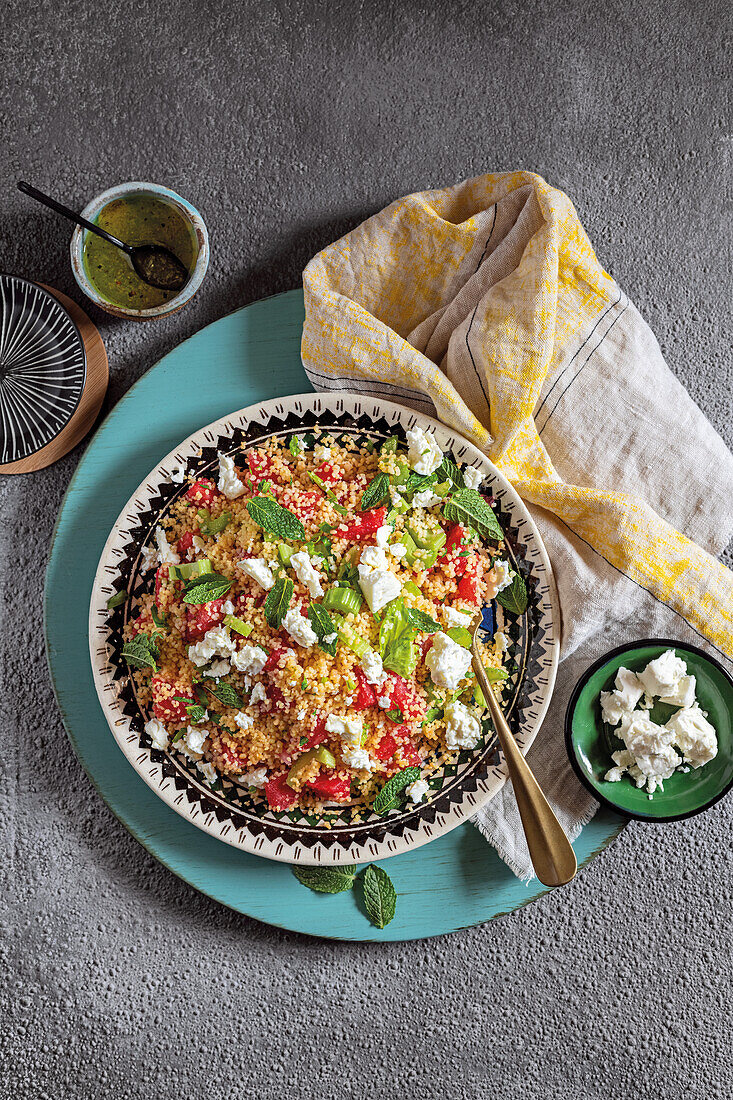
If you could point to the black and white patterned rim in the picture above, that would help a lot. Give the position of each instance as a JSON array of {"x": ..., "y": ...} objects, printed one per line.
[
  {"x": 226, "y": 810},
  {"x": 42, "y": 368}
]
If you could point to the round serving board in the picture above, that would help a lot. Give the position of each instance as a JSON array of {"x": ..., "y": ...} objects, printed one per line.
[
  {"x": 90, "y": 402},
  {"x": 455, "y": 882}
]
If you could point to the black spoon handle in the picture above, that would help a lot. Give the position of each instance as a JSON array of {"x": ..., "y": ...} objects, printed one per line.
[{"x": 46, "y": 200}]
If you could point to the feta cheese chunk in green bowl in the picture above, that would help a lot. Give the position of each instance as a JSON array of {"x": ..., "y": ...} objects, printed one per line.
[{"x": 649, "y": 730}]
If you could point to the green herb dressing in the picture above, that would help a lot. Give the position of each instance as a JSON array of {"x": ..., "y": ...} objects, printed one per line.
[{"x": 136, "y": 220}]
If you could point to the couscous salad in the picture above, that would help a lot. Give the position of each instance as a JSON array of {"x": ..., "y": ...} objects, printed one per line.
[{"x": 307, "y": 635}]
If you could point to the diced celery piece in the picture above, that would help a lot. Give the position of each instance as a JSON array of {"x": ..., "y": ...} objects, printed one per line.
[
  {"x": 238, "y": 625},
  {"x": 190, "y": 569},
  {"x": 325, "y": 757},
  {"x": 346, "y": 600},
  {"x": 285, "y": 553},
  {"x": 432, "y": 539},
  {"x": 411, "y": 588},
  {"x": 460, "y": 635},
  {"x": 352, "y": 640}
]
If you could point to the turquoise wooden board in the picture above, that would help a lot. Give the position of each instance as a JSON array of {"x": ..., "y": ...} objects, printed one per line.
[{"x": 455, "y": 882}]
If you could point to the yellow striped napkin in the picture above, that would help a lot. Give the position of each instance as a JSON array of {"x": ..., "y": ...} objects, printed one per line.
[{"x": 484, "y": 304}]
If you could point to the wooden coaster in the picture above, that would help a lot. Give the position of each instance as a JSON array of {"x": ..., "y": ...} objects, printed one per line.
[{"x": 92, "y": 396}]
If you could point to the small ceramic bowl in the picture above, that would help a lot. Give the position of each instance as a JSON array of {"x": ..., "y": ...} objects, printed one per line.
[
  {"x": 123, "y": 190},
  {"x": 590, "y": 742},
  {"x": 43, "y": 367}
]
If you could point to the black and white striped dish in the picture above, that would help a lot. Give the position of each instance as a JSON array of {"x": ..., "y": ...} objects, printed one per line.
[{"x": 42, "y": 368}]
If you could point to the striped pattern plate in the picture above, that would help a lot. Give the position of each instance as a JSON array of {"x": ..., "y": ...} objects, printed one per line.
[{"x": 42, "y": 368}]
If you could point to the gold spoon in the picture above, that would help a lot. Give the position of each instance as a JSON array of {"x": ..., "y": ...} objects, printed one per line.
[{"x": 550, "y": 850}]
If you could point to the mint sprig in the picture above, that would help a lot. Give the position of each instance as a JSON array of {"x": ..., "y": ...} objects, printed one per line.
[
  {"x": 326, "y": 880},
  {"x": 272, "y": 517},
  {"x": 380, "y": 896},
  {"x": 224, "y": 693},
  {"x": 141, "y": 652},
  {"x": 469, "y": 507},
  {"x": 388, "y": 796},
  {"x": 278, "y": 601},
  {"x": 421, "y": 621},
  {"x": 448, "y": 471}
]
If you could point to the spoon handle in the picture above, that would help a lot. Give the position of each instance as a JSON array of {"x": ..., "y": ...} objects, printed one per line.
[
  {"x": 550, "y": 850},
  {"x": 46, "y": 200}
]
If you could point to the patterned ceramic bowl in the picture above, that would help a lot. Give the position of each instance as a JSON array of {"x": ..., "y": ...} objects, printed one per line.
[
  {"x": 43, "y": 367},
  {"x": 226, "y": 810}
]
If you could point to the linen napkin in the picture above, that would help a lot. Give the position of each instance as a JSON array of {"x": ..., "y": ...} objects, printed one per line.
[{"x": 484, "y": 305}]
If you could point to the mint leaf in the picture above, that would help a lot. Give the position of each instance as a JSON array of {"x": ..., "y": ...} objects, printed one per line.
[
  {"x": 207, "y": 587},
  {"x": 390, "y": 445},
  {"x": 141, "y": 652},
  {"x": 224, "y": 693},
  {"x": 295, "y": 446},
  {"x": 448, "y": 471},
  {"x": 421, "y": 621},
  {"x": 278, "y": 601},
  {"x": 469, "y": 507},
  {"x": 159, "y": 619},
  {"x": 272, "y": 517},
  {"x": 210, "y": 527},
  {"x": 380, "y": 896},
  {"x": 514, "y": 598},
  {"x": 432, "y": 715},
  {"x": 387, "y": 797},
  {"x": 116, "y": 600},
  {"x": 330, "y": 495},
  {"x": 323, "y": 626},
  {"x": 326, "y": 880},
  {"x": 376, "y": 491}
]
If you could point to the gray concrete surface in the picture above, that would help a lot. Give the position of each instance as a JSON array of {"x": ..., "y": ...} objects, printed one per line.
[{"x": 287, "y": 123}]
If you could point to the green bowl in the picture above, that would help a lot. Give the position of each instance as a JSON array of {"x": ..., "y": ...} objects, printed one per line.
[{"x": 590, "y": 742}]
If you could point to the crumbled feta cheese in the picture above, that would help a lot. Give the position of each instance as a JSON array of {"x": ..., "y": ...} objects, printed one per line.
[
  {"x": 217, "y": 669},
  {"x": 207, "y": 770},
  {"x": 499, "y": 577},
  {"x": 198, "y": 544},
  {"x": 448, "y": 662},
  {"x": 349, "y": 730},
  {"x": 373, "y": 668},
  {"x": 259, "y": 571},
  {"x": 472, "y": 477},
  {"x": 423, "y": 452},
  {"x": 299, "y": 629},
  {"x": 417, "y": 790},
  {"x": 395, "y": 496},
  {"x": 501, "y": 641},
  {"x": 321, "y": 453},
  {"x": 683, "y": 694},
  {"x": 259, "y": 695},
  {"x": 157, "y": 733},
  {"x": 250, "y": 660},
  {"x": 373, "y": 557},
  {"x": 244, "y": 721},
  {"x": 619, "y": 703},
  {"x": 166, "y": 553},
  {"x": 462, "y": 728},
  {"x": 693, "y": 735},
  {"x": 329, "y": 639},
  {"x": 426, "y": 499},
  {"x": 149, "y": 559},
  {"x": 384, "y": 701},
  {"x": 357, "y": 758},
  {"x": 662, "y": 675},
  {"x": 397, "y": 550},
  {"x": 649, "y": 744},
  {"x": 195, "y": 737},
  {"x": 256, "y": 778},
  {"x": 305, "y": 572},
  {"x": 453, "y": 617},
  {"x": 178, "y": 474},
  {"x": 228, "y": 607},
  {"x": 382, "y": 535},
  {"x": 216, "y": 642},
  {"x": 229, "y": 482}
]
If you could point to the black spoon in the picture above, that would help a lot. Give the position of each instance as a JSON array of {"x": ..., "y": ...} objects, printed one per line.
[{"x": 157, "y": 266}]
